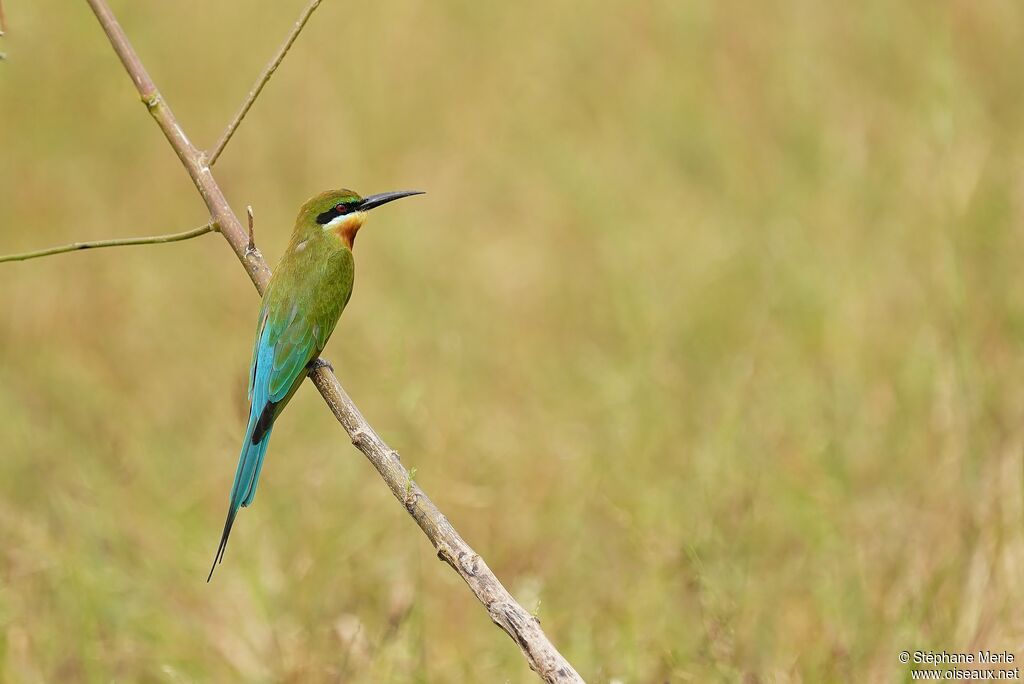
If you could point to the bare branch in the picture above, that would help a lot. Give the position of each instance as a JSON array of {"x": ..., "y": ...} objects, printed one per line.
[
  {"x": 120, "y": 242},
  {"x": 190, "y": 156},
  {"x": 524, "y": 629},
  {"x": 268, "y": 71}
]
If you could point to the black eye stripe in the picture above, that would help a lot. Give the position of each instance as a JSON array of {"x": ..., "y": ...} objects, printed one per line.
[{"x": 334, "y": 212}]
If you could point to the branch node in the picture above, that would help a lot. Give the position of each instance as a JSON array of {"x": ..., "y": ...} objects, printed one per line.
[
  {"x": 469, "y": 563},
  {"x": 444, "y": 554},
  {"x": 251, "y": 247},
  {"x": 410, "y": 494},
  {"x": 151, "y": 100},
  {"x": 359, "y": 437}
]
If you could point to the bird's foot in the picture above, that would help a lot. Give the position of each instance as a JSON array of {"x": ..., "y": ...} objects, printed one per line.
[{"x": 320, "y": 363}]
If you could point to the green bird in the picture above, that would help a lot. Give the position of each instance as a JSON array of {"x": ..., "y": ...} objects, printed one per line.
[{"x": 301, "y": 306}]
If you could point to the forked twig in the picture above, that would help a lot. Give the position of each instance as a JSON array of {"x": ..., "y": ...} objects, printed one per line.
[
  {"x": 503, "y": 609},
  {"x": 118, "y": 242},
  {"x": 257, "y": 87}
]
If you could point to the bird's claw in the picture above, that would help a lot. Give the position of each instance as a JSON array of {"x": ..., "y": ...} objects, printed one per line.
[{"x": 320, "y": 363}]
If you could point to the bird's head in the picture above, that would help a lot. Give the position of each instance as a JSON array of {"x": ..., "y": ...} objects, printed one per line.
[{"x": 342, "y": 212}]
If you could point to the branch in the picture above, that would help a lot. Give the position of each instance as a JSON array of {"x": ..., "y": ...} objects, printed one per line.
[
  {"x": 524, "y": 629},
  {"x": 122, "y": 242},
  {"x": 505, "y": 612},
  {"x": 268, "y": 71}
]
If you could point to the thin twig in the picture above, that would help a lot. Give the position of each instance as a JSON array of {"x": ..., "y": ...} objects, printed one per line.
[
  {"x": 261, "y": 81},
  {"x": 523, "y": 628},
  {"x": 251, "y": 247},
  {"x": 121, "y": 242}
]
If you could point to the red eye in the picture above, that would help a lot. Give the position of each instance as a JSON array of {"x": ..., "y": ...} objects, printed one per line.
[{"x": 340, "y": 208}]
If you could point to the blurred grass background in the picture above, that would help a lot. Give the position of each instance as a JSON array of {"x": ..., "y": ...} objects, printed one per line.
[{"x": 707, "y": 336}]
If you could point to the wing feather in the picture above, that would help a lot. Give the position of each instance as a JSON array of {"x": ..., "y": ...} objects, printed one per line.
[{"x": 285, "y": 347}]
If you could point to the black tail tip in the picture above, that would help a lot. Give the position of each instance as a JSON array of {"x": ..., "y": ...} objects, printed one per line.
[{"x": 219, "y": 557}]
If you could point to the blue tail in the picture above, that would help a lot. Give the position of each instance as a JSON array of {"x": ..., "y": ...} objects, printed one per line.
[{"x": 243, "y": 491}]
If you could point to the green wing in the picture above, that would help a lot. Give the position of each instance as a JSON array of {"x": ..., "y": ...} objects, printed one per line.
[{"x": 288, "y": 340}]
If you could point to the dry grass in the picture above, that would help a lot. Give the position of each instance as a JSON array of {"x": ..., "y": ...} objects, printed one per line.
[{"x": 708, "y": 336}]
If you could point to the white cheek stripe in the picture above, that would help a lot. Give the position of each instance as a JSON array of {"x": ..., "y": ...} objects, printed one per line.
[{"x": 338, "y": 221}]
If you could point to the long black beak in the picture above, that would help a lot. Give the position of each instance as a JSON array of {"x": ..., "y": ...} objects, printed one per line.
[{"x": 385, "y": 197}]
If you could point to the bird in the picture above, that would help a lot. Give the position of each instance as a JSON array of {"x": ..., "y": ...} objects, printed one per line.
[{"x": 301, "y": 305}]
